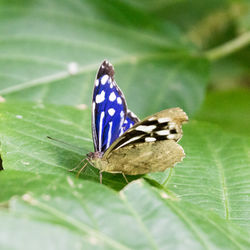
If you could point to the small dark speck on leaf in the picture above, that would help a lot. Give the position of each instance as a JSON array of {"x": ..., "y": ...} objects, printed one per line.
[{"x": 1, "y": 163}]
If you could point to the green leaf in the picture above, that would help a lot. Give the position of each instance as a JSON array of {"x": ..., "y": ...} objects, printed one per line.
[
  {"x": 36, "y": 62},
  {"x": 176, "y": 10},
  {"x": 25, "y": 147},
  {"x": 89, "y": 215},
  {"x": 229, "y": 109},
  {"x": 215, "y": 173},
  {"x": 244, "y": 18}
]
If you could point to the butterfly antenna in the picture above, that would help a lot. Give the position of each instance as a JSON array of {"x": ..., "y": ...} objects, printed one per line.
[{"x": 68, "y": 144}]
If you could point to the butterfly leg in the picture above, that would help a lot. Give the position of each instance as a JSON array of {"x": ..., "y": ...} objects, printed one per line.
[
  {"x": 100, "y": 174},
  {"x": 124, "y": 176},
  {"x": 78, "y": 173},
  {"x": 73, "y": 169}
]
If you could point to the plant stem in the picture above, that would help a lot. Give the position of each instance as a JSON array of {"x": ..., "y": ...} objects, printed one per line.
[{"x": 229, "y": 47}]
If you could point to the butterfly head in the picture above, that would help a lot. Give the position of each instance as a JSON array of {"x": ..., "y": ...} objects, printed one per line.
[{"x": 94, "y": 155}]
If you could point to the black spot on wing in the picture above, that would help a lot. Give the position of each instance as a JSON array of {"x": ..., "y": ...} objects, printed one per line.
[
  {"x": 148, "y": 123},
  {"x": 106, "y": 68},
  {"x": 141, "y": 135},
  {"x": 161, "y": 126},
  {"x": 160, "y": 137},
  {"x": 132, "y": 116},
  {"x": 155, "y": 122}
]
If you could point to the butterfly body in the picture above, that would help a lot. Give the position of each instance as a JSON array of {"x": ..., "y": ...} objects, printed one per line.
[{"x": 123, "y": 143}]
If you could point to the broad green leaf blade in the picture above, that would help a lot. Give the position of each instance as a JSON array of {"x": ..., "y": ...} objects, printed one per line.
[
  {"x": 186, "y": 14},
  {"x": 89, "y": 212},
  {"x": 244, "y": 19},
  {"x": 34, "y": 235},
  {"x": 229, "y": 109},
  {"x": 25, "y": 147},
  {"x": 215, "y": 173},
  {"x": 56, "y": 59}
]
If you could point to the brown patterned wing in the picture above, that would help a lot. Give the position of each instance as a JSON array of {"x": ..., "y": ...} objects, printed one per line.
[
  {"x": 143, "y": 158},
  {"x": 162, "y": 126}
]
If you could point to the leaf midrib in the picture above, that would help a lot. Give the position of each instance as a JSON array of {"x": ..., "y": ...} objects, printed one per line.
[
  {"x": 139, "y": 221},
  {"x": 219, "y": 165},
  {"x": 133, "y": 59}
]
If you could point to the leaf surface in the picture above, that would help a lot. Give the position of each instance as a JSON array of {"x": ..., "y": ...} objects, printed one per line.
[
  {"x": 215, "y": 173},
  {"x": 228, "y": 109},
  {"x": 90, "y": 215},
  {"x": 56, "y": 59}
]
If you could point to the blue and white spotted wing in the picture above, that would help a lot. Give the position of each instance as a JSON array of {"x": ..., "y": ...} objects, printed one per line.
[
  {"x": 109, "y": 108},
  {"x": 130, "y": 121}
]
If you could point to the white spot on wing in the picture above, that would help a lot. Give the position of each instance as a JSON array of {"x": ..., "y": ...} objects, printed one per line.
[
  {"x": 163, "y": 132},
  {"x": 151, "y": 118},
  {"x": 171, "y": 125},
  {"x": 171, "y": 137},
  {"x": 130, "y": 140},
  {"x": 163, "y": 119},
  {"x": 121, "y": 132},
  {"x": 104, "y": 79},
  {"x": 122, "y": 114},
  {"x": 119, "y": 100},
  {"x": 109, "y": 134},
  {"x": 111, "y": 111},
  {"x": 144, "y": 128},
  {"x": 100, "y": 131},
  {"x": 97, "y": 82},
  {"x": 100, "y": 98},
  {"x": 150, "y": 139},
  {"x": 112, "y": 96}
]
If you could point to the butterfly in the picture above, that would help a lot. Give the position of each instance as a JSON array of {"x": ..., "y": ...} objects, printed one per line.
[{"x": 124, "y": 144}]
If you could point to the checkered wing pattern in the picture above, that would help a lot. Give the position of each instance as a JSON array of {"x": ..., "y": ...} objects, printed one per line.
[
  {"x": 130, "y": 121},
  {"x": 164, "y": 125}
]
